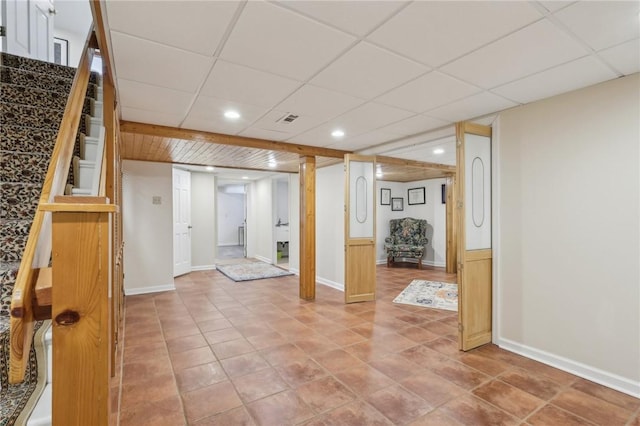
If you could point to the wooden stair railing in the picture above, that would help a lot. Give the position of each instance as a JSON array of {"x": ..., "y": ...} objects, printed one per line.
[{"x": 38, "y": 247}]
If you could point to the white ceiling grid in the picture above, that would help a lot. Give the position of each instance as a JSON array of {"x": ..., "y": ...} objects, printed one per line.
[{"x": 382, "y": 71}]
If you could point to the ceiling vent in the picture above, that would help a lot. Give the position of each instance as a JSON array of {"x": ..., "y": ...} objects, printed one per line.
[{"x": 288, "y": 118}]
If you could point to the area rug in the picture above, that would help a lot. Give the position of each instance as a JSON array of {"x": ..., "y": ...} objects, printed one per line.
[
  {"x": 430, "y": 294},
  {"x": 247, "y": 271}
]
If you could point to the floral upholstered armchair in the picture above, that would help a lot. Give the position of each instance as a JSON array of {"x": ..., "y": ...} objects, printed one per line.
[{"x": 407, "y": 238}]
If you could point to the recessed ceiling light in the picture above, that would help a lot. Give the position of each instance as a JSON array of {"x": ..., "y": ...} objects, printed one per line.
[
  {"x": 379, "y": 174},
  {"x": 232, "y": 115},
  {"x": 272, "y": 164},
  {"x": 209, "y": 168},
  {"x": 245, "y": 177},
  {"x": 438, "y": 151},
  {"x": 337, "y": 133}
]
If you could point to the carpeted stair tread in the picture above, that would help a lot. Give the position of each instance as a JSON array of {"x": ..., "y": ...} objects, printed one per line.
[
  {"x": 30, "y": 116},
  {"x": 41, "y": 67},
  {"x": 26, "y": 64},
  {"x": 17, "y": 138},
  {"x": 19, "y": 200},
  {"x": 39, "y": 98},
  {"x": 13, "y": 238},
  {"x": 23, "y": 167},
  {"x": 40, "y": 81},
  {"x": 34, "y": 79}
]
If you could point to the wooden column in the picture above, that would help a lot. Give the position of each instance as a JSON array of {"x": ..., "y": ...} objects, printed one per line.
[
  {"x": 452, "y": 238},
  {"x": 307, "y": 228},
  {"x": 81, "y": 311}
]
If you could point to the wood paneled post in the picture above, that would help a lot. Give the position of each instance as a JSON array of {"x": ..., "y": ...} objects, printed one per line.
[
  {"x": 452, "y": 217},
  {"x": 81, "y": 312},
  {"x": 307, "y": 228}
]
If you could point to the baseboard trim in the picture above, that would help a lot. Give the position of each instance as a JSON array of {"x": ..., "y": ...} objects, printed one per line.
[
  {"x": 294, "y": 271},
  {"x": 203, "y": 268},
  {"x": 262, "y": 258},
  {"x": 596, "y": 375},
  {"x": 330, "y": 283},
  {"x": 424, "y": 262},
  {"x": 150, "y": 289}
]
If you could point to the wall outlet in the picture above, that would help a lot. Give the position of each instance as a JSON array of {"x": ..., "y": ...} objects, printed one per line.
[{"x": 156, "y": 199}]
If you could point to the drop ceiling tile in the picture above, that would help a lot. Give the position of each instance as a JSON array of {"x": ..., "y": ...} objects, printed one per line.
[
  {"x": 246, "y": 85},
  {"x": 191, "y": 25},
  {"x": 152, "y": 63},
  {"x": 273, "y": 121},
  {"x": 554, "y": 5},
  {"x": 360, "y": 120},
  {"x": 271, "y": 135},
  {"x": 471, "y": 107},
  {"x": 414, "y": 125},
  {"x": 564, "y": 78},
  {"x": 318, "y": 102},
  {"x": 624, "y": 57},
  {"x": 434, "y": 33},
  {"x": 424, "y": 151},
  {"x": 534, "y": 48},
  {"x": 150, "y": 117},
  {"x": 364, "y": 140},
  {"x": 270, "y": 38},
  {"x": 356, "y": 17},
  {"x": 602, "y": 24},
  {"x": 427, "y": 92},
  {"x": 366, "y": 71},
  {"x": 137, "y": 95},
  {"x": 207, "y": 114}
]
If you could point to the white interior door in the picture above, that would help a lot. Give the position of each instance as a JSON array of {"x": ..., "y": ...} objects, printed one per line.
[
  {"x": 181, "y": 222},
  {"x": 29, "y": 28}
]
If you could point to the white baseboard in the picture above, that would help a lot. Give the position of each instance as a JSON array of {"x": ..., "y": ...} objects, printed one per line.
[
  {"x": 330, "y": 283},
  {"x": 229, "y": 244},
  {"x": 262, "y": 258},
  {"x": 203, "y": 268},
  {"x": 596, "y": 375},
  {"x": 150, "y": 289},
  {"x": 424, "y": 262}
]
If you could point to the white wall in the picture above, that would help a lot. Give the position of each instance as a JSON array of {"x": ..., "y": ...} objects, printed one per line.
[
  {"x": 203, "y": 220},
  {"x": 147, "y": 227},
  {"x": 330, "y": 225},
  {"x": 294, "y": 222},
  {"x": 567, "y": 208},
  {"x": 260, "y": 223},
  {"x": 230, "y": 217},
  {"x": 433, "y": 211},
  {"x": 282, "y": 200},
  {"x": 76, "y": 43}
]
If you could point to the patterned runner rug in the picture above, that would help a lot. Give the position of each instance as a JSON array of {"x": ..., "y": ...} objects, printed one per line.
[
  {"x": 430, "y": 294},
  {"x": 247, "y": 271}
]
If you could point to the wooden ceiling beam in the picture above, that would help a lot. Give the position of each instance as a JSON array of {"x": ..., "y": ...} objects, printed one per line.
[
  {"x": 200, "y": 136},
  {"x": 413, "y": 163}
]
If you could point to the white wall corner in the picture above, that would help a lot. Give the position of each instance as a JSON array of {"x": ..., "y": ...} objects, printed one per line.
[
  {"x": 329, "y": 283},
  {"x": 203, "y": 268},
  {"x": 579, "y": 369},
  {"x": 149, "y": 289}
]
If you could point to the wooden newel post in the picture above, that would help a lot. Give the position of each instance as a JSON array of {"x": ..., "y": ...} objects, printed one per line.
[
  {"x": 81, "y": 314},
  {"x": 308, "y": 228}
]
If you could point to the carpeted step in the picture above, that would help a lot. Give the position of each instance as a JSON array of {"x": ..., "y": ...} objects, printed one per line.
[
  {"x": 38, "y": 98},
  {"x": 41, "y": 67},
  {"x": 19, "y": 200},
  {"x": 13, "y": 238},
  {"x": 36, "y": 80},
  {"x": 16, "y": 138},
  {"x": 8, "y": 274},
  {"x": 20, "y": 167},
  {"x": 34, "y": 65},
  {"x": 30, "y": 116}
]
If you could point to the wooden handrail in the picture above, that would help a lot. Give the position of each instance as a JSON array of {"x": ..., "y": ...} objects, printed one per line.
[{"x": 38, "y": 247}]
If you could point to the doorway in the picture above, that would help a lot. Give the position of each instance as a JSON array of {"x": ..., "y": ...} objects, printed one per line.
[
  {"x": 231, "y": 202},
  {"x": 281, "y": 215}
]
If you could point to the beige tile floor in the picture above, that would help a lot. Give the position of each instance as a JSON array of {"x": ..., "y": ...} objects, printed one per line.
[{"x": 216, "y": 352}]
